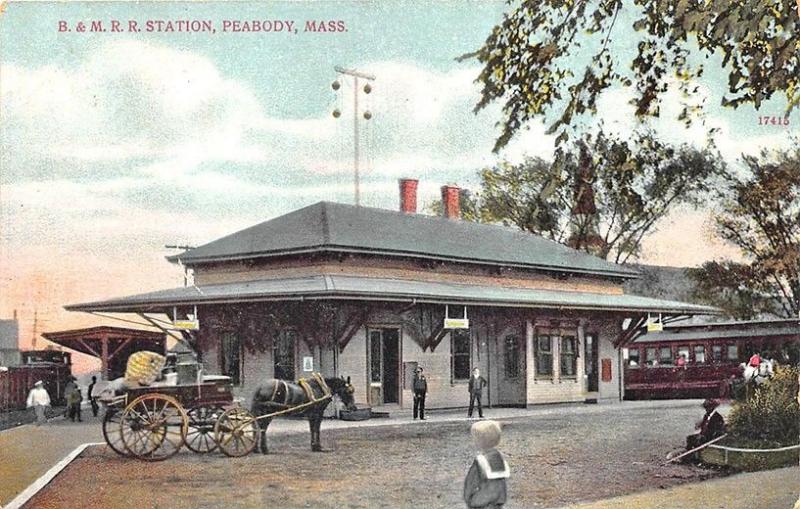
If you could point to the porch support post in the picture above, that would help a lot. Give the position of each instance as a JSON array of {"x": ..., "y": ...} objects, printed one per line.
[
  {"x": 555, "y": 346},
  {"x": 530, "y": 362},
  {"x": 581, "y": 371},
  {"x": 104, "y": 357}
]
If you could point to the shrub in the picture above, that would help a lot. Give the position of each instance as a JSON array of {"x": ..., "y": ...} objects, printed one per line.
[{"x": 772, "y": 412}]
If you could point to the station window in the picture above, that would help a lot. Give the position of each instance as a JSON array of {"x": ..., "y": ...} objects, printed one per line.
[
  {"x": 569, "y": 357},
  {"x": 716, "y": 353},
  {"x": 733, "y": 353},
  {"x": 651, "y": 357},
  {"x": 633, "y": 358},
  {"x": 231, "y": 352},
  {"x": 665, "y": 356},
  {"x": 699, "y": 354},
  {"x": 283, "y": 354},
  {"x": 375, "y": 354},
  {"x": 511, "y": 356},
  {"x": 544, "y": 357},
  {"x": 459, "y": 354}
]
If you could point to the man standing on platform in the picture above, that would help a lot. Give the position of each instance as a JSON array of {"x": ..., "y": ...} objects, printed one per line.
[
  {"x": 476, "y": 385},
  {"x": 420, "y": 390},
  {"x": 92, "y": 398},
  {"x": 39, "y": 400}
]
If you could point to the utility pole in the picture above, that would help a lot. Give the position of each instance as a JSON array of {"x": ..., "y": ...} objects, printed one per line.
[
  {"x": 35, "y": 327},
  {"x": 367, "y": 115}
]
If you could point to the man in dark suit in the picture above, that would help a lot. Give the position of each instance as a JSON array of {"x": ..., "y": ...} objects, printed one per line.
[
  {"x": 710, "y": 427},
  {"x": 476, "y": 385},
  {"x": 91, "y": 396},
  {"x": 420, "y": 390}
]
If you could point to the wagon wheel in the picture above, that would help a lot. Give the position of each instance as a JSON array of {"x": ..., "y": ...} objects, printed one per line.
[
  {"x": 236, "y": 432},
  {"x": 112, "y": 431},
  {"x": 200, "y": 437},
  {"x": 154, "y": 427}
]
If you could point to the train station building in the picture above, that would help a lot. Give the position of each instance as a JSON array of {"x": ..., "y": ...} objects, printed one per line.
[{"x": 372, "y": 294}]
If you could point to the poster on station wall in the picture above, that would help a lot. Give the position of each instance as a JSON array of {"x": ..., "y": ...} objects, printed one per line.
[{"x": 321, "y": 181}]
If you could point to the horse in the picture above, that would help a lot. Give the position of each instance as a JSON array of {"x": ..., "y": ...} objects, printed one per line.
[
  {"x": 758, "y": 375},
  {"x": 754, "y": 376},
  {"x": 310, "y": 396}
]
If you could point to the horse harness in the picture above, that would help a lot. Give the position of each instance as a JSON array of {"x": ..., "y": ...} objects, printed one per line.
[{"x": 280, "y": 394}]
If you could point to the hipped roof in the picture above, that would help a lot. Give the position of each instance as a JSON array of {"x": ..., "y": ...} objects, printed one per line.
[{"x": 336, "y": 227}]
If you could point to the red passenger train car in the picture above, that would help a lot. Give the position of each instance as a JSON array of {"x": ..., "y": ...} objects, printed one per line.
[{"x": 711, "y": 355}]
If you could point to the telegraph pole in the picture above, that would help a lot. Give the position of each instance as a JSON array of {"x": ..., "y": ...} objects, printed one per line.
[
  {"x": 35, "y": 328},
  {"x": 367, "y": 115}
]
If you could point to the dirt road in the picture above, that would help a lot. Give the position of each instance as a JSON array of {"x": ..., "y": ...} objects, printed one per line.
[{"x": 556, "y": 460}]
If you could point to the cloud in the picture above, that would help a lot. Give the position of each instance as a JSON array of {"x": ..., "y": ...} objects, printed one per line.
[
  {"x": 137, "y": 108},
  {"x": 141, "y": 144},
  {"x": 129, "y": 101}
]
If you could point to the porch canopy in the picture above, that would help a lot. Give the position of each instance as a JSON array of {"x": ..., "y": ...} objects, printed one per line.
[
  {"x": 112, "y": 345},
  {"x": 365, "y": 289}
]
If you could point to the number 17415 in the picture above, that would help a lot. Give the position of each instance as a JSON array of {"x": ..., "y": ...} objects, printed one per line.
[{"x": 772, "y": 120}]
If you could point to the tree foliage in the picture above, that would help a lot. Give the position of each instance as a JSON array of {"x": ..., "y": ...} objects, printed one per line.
[
  {"x": 551, "y": 58},
  {"x": 630, "y": 184},
  {"x": 734, "y": 288},
  {"x": 772, "y": 413},
  {"x": 470, "y": 210},
  {"x": 760, "y": 215}
]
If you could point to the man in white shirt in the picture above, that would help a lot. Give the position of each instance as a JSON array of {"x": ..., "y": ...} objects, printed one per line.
[{"x": 39, "y": 400}]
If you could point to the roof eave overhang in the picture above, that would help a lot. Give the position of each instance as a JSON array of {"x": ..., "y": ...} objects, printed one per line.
[
  {"x": 189, "y": 261},
  {"x": 409, "y": 298}
]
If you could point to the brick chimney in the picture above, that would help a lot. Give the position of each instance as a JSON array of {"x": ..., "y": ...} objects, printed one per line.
[
  {"x": 450, "y": 202},
  {"x": 408, "y": 195}
]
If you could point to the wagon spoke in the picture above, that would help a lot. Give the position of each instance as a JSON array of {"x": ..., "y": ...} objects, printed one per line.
[
  {"x": 154, "y": 427},
  {"x": 138, "y": 416},
  {"x": 146, "y": 414},
  {"x": 112, "y": 431},
  {"x": 160, "y": 412},
  {"x": 233, "y": 431}
]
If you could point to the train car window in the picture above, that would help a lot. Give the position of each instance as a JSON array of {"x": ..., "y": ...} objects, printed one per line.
[
  {"x": 699, "y": 354},
  {"x": 683, "y": 351},
  {"x": 716, "y": 353},
  {"x": 633, "y": 358},
  {"x": 651, "y": 358},
  {"x": 733, "y": 353},
  {"x": 665, "y": 356}
]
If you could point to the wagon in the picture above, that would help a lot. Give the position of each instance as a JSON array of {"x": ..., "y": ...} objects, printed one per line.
[{"x": 153, "y": 423}]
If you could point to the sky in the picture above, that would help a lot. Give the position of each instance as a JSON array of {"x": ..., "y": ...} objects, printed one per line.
[{"x": 114, "y": 145}]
